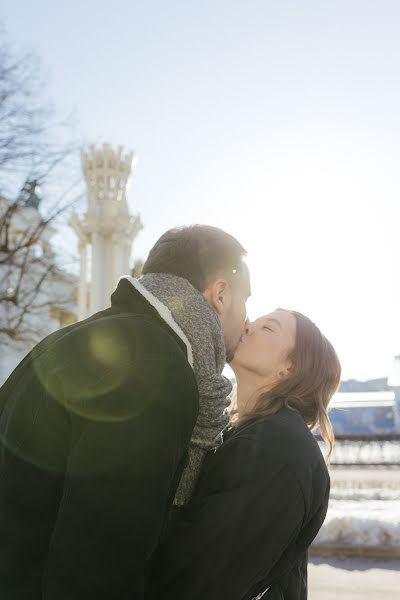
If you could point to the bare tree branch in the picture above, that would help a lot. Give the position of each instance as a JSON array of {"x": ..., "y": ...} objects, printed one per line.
[{"x": 31, "y": 153}]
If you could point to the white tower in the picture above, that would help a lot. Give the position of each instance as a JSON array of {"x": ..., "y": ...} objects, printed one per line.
[{"x": 107, "y": 229}]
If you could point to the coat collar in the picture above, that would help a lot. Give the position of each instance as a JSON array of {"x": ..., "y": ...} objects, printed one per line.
[{"x": 163, "y": 311}]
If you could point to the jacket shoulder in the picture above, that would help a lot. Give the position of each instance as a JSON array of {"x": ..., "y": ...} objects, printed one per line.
[
  {"x": 284, "y": 441},
  {"x": 123, "y": 356},
  {"x": 285, "y": 436}
]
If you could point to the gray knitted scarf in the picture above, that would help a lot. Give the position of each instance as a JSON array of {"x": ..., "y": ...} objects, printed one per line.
[{"x": 202, "y": 327}]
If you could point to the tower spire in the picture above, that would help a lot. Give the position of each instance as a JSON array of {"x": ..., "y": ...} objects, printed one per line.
[{"x": 107, "y": 229}]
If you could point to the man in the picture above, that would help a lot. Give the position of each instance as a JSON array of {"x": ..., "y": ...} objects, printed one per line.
[{"x": 98, "y": 423}]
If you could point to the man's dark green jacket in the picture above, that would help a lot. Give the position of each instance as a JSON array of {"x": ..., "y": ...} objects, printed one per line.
[{"x": 95, "y": 424}]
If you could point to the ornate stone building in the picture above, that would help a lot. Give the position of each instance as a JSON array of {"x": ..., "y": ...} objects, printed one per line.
[{"x": 37, "y": 296}]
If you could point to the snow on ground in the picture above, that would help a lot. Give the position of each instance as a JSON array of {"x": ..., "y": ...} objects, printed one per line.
[{"x": 363, "y": 512}]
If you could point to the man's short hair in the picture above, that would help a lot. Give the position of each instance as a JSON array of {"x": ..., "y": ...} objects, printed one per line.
[{"x": 198, "y": 253}]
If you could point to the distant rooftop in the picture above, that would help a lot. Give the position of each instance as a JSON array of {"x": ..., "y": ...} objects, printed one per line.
[
  {"x": 362, "y": 399},
  {"x": 372, "y": 385}
]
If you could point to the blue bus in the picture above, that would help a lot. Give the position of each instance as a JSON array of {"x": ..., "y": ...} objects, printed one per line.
[{"x": 363, "y": 413}]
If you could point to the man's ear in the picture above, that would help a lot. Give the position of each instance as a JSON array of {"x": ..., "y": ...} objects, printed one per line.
[{"x": 215, "y": 294}]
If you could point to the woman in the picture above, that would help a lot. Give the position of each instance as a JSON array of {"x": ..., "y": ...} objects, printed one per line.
[{"x": 263, "y": 495}]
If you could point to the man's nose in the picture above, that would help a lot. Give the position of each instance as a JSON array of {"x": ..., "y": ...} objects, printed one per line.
[{"x": 247, "y": 329}]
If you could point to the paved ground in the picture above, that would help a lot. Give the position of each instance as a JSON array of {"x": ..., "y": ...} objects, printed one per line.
[{"x": 353, "y": 579}]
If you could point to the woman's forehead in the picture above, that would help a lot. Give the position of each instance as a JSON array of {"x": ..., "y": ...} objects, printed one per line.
[
  {"x": 284, "y": 318},
  {"x": 278, "y": 314}
]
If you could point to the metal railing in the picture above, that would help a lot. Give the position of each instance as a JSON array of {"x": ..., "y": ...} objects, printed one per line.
[{"x": 366, "y": 449}]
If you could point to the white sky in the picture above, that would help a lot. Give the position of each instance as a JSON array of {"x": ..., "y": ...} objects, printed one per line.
[{"x": 278, "y": 121}]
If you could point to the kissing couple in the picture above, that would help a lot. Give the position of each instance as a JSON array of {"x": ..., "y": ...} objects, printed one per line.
[{"x": 131, "y": 471}]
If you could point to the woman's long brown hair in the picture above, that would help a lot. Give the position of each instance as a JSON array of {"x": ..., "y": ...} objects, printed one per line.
[{"x": 315, "y": 377}]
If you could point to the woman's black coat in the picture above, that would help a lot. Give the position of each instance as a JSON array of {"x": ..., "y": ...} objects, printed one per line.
[{"x": 261, "y": 500}]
